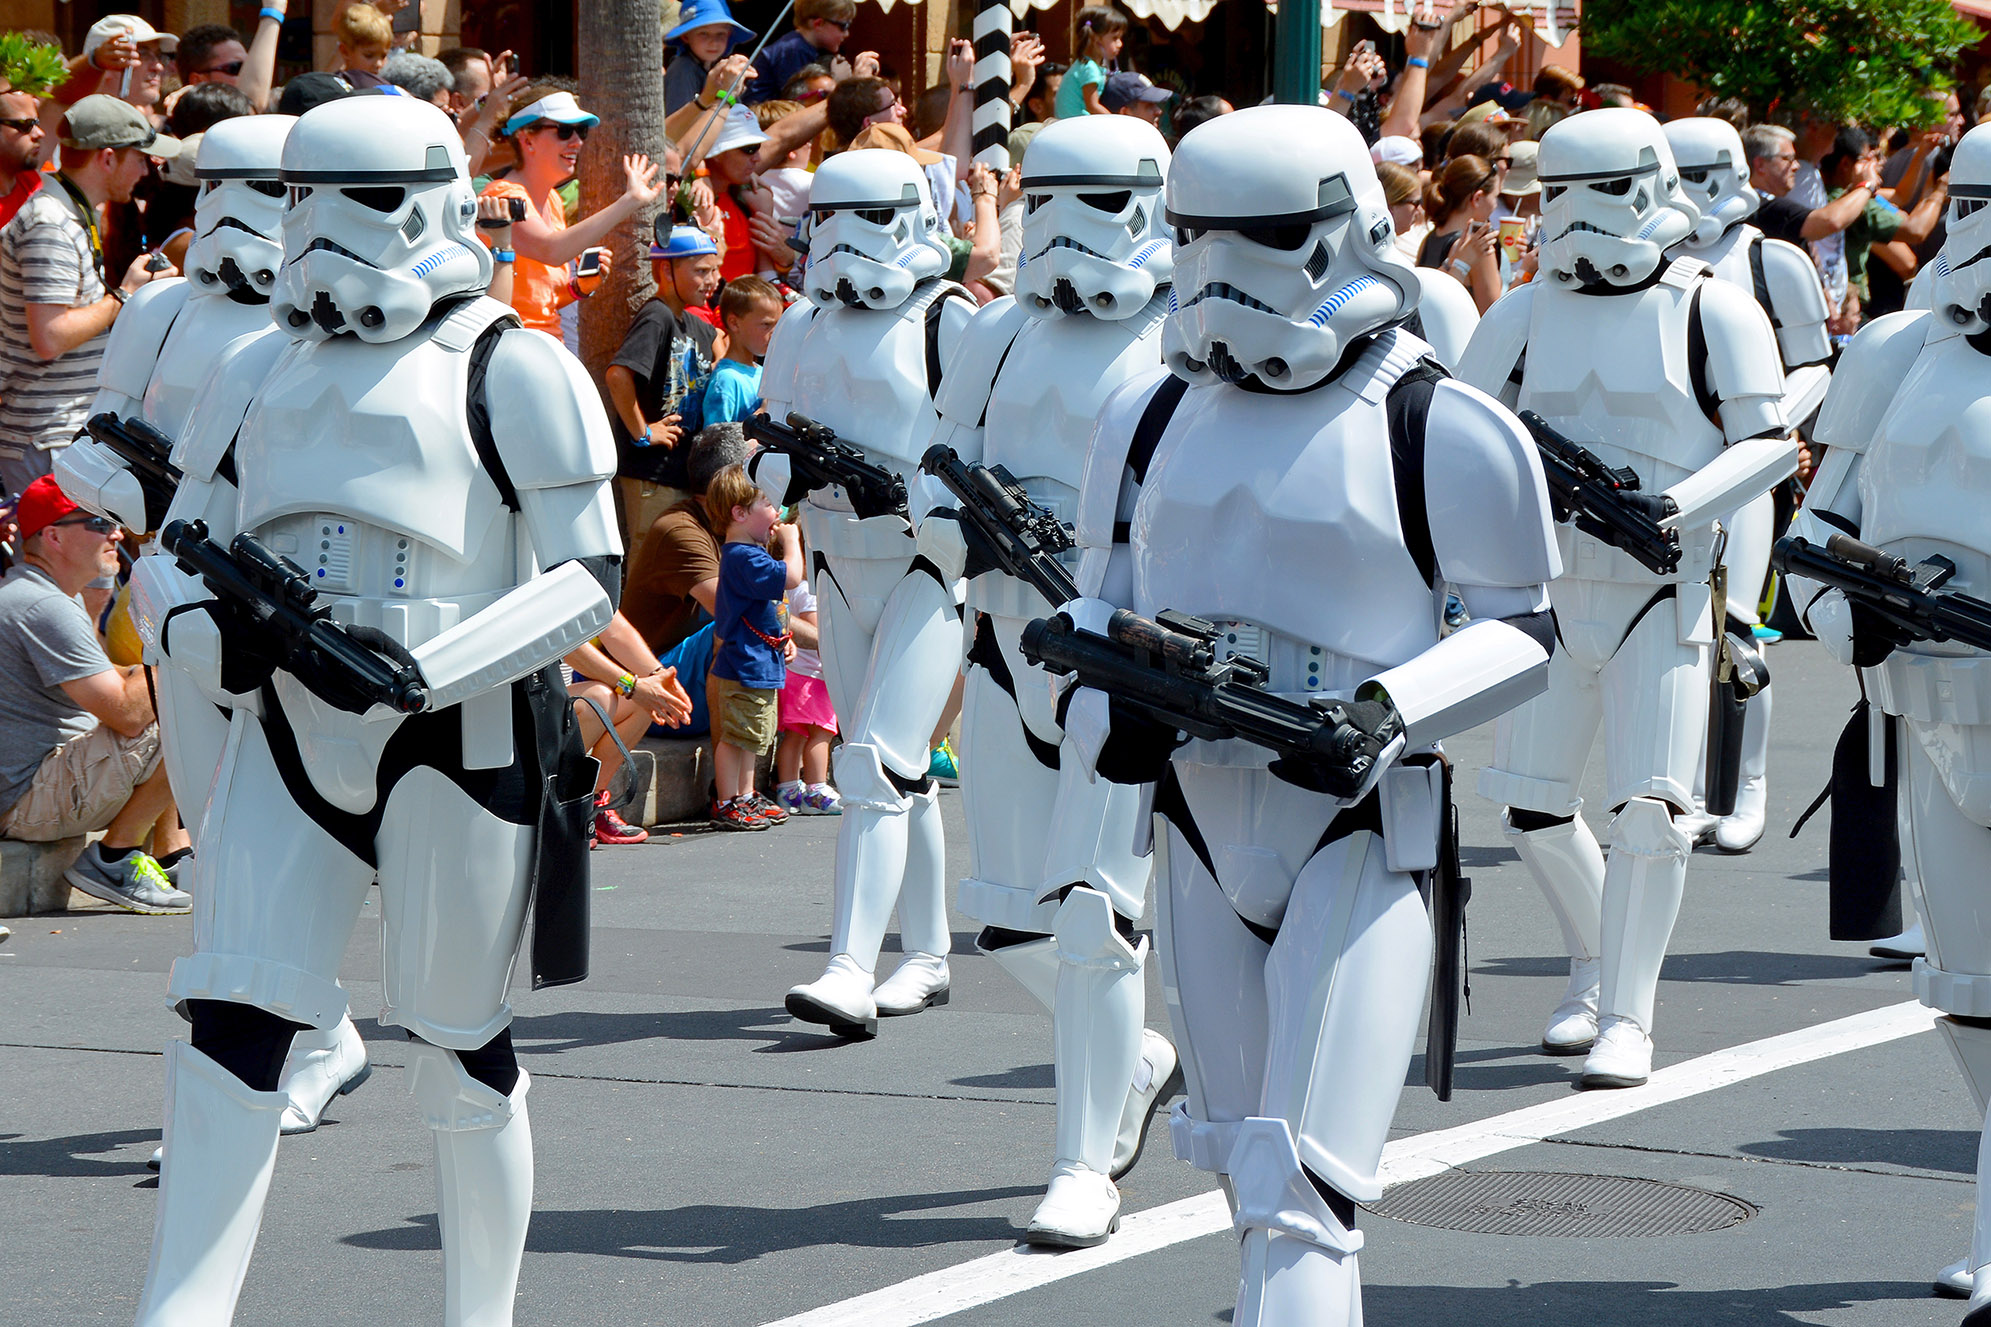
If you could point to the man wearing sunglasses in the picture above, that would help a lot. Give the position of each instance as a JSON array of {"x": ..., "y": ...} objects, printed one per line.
[
  {"x": 215, "y": 53},
  {"x": 57, "y": 301},
  {"x": 79, "y": 743},
  {"x": 21, "y": 138}
]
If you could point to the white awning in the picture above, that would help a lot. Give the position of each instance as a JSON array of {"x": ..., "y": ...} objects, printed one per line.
[{"x": 1547, "y": 19}]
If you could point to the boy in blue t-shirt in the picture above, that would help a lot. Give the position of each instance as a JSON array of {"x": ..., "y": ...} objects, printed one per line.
[
  {"x": 748, "y": 310},
  {"x": 751, "y": 644}
]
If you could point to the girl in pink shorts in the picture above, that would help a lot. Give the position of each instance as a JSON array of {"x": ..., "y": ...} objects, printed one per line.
[{"x": 808, "y": 720}]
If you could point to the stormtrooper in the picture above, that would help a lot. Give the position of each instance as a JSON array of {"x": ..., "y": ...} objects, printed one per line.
[
  {"x": 863, "y": 355},
  {"x": 1054, "y": 875},
  {"x": 1714, "y": 174},
  {"x": 1655, "y": 366},
  {"x": 436, "y": 479},
  {"x": 1903, "y": 469},
  {"x": 1301, "y": 439},
  {"x": 159, "y": 355}
]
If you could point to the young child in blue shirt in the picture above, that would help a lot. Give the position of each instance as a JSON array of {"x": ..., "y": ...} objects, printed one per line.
[
  {"x": 751, "y": 644},
  {"x": 749, "y": 307}
]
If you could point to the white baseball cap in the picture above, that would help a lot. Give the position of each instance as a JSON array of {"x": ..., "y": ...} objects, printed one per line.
[
  {"x": 128, "y": 25},
  {"x": 1395, "y": 147},
  {"x": 740, "y": 130}
]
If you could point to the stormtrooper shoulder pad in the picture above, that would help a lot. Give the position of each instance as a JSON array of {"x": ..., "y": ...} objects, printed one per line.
[
  {"x": 1796, "y": 297},
  {"x": 546, "y": 416},
  {"x": 971, "y": 370},
  {"x": 139, "y": 333},
  {"x": 1870, "y": 370},
  {"x": 784, "y": 356},
  {"x": 1490, "y": 519},
  {"x": 1106, "y": 456},
  {"x": 1743, "y": 363},
  {"x": 1497, "y": 343},
  {"x": 224, "y": 399}
]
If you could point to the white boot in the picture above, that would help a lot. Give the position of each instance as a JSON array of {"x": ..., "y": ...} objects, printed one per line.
[
  {"x": 1572, "y": 1024},
  {"x": 1569, "y": 866},
  {"x": 1154, "y": 1071},
  {"x": 920, "y": 982},
  {"x": 1909, "y": 944},
  {"x": 1297, "y": 1264},
  {"x": 321, "y": 1065},
  {"x": 1954, "y": 1281},
  {"x": 1096, "y": 1039},
  {"x": 1740, "y": 830},
  {"x": 841, "y": 997},
  {"x": 483, "y": 1184},
  {"x": 221, "y": 1137},
  {"x": 1643, "y": 883}
]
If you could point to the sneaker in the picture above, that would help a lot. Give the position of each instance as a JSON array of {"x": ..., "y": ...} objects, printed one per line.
[
  {"x": 941, "y": 767},
  {"x": 4, "y": 933},
  {"x": 612, "y": 828},
  {"x": 821, "y": 800},
  {"x": 132, "y": 880},
  {"x": 765, "y": 809},
  {"x": 177, "y": 865},
  {"x": 732, "y": 814},
  {"x": 1768, "y": 635}
]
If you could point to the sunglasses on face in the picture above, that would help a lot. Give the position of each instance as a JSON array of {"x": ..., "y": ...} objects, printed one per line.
[
  {"x": 26, "y": 126},
  {"x": 231, "y": 69},
  {"x": 567, "y": 132},
  {"x": 94, "y": 524},
  {"x": 838, "y": 24}
]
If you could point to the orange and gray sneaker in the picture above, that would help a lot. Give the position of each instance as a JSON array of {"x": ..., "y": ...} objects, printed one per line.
[
  {"x": 612, "y": 828},
  {"x": 736, "y": 814},
  {"x": 771, "y": 812}
]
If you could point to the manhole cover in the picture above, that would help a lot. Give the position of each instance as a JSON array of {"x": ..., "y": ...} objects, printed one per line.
[{"x": 1569, "y": 1206}]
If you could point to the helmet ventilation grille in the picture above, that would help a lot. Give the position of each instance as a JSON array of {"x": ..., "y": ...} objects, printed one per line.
[{"x": 1317, "y": 262}]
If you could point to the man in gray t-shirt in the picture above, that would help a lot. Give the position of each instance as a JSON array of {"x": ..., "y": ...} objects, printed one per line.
[{"x": 79, "y": 743}]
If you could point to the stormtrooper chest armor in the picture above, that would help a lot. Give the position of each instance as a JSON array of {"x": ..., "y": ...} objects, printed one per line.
[
  {"x": 1927, "y": 475},
  {"x": 204, "y": 327},
  {"x": 356, "y": 462},
  {"x": 1613, "y": 373},
  {"x": 863, "y": 372},
  {"x": 1276, "y": 517}
]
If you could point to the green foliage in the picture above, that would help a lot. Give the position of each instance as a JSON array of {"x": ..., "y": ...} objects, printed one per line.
[
  {"x": 30, "y": 67},
  {"x": 1873, "y": 61}
]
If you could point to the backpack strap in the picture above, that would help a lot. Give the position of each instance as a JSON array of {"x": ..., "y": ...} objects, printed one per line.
[
  {"x": 1760, "y": 283},
  {"x": 476, "y": 412},
  {"x": 1152, "y": 424},
  {"x": 1408, "y": 406},
  {"x": 937, "y": 293},
  {"x": 1697, "y": 360}
]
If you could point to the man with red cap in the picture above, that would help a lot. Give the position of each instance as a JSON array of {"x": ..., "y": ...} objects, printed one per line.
[{"x": 79, "y": 743}]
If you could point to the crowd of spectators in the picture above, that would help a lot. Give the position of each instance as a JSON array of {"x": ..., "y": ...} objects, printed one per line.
[{"x": 1454, "y": 143}]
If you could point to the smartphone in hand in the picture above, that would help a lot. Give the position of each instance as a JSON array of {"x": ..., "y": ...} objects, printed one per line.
[{"x": 589, "y": 263}]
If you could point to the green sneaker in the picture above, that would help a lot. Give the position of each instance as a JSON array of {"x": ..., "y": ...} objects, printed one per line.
[
  {"x": 132, "y": 880},
  {"x": 941, "y": 767}
]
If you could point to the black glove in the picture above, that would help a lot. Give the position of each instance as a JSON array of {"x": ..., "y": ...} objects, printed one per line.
[{"x": 1653, "y": 506}]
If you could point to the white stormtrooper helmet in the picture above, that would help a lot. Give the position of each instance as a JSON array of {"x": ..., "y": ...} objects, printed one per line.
[
  {"x": 1714, "y": 173},
  {"x": 1094, "y": 239},
  {"x": 1611, "y": 199},
  {"x": 381, "y": 223},
  {"x": 1961, "y": 293},
  {"x": 238, "y": 219},
  {"x": 1284, "y": 251},
  {"x": 872, "y": 231}
]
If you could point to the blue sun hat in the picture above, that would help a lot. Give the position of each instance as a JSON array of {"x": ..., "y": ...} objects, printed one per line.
[
  {"x": 684, "y": 242},
  {"x": 695, "y": 14}
]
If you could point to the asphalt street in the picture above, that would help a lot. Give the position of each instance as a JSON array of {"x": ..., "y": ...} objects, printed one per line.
[{"x": 702, "y": 1159}]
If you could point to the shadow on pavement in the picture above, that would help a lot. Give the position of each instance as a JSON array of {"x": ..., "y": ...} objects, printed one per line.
[
  {"x": 76, "y": 1156},
  {"x": 550, "y": 1034},
  {"x": 1953, "y": 1150},
  {"x": 1527, "y": 1067},
  {"x": 1622, "y": 1303},
  {"x": 1023, "y": 1076},
  {"x": 704, "y": 1233},
  {"x": 1732, "y": 967}
]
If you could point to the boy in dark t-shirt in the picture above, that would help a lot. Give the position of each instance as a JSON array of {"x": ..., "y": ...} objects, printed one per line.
[
  {"x": 751, "y": 644},
  {"x": 664, "y": 362}
]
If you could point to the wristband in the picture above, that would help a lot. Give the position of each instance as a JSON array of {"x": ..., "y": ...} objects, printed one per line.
[
  {"x": 727, "y": 97},
  {"x": 702, "y": 105},
  {"x": 504, "y": 255},
  {"x": 117, "y": 293},
  {"x": 276, "y": 14},
  {"x": 1460, "y": 268},
  {"x": 1349, "y": 97},
  {"x": 1418, "y": 62},
  {"x": 626, "y": 684}
]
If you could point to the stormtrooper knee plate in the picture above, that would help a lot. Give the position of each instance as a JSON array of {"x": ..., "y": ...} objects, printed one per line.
[
  {"x": 483, "y": 1144},
  {"x": 1298, "y": 1251}
]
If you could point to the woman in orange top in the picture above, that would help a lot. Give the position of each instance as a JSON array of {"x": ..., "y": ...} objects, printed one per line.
[{"x": 546, "y": 130}]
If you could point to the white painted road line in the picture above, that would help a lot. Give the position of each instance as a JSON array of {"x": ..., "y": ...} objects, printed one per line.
[{"x": 1000, "y": 1275}]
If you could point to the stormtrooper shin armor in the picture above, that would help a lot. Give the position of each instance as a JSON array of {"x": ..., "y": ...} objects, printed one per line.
[
  {"x": 1714, "y": 173},
  {"x": 349, "y": 440},
  {"x": 1054, "y": 873},
  {"x": 1905, "y": 440},
  {"x": 1600, "y": 347},
  {"x": 1294, "y": 944},
  {"x": 861, "y": 355}
]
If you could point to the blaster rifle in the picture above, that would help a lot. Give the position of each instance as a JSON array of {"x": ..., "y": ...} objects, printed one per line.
[
  {"x": 1006, "y": 531},
  {"x": 1903, "y": 600},
  {"x": 275, "y": 595},
  {"x": 147, "y": 453},
  {"x": 1582, "y": 488},
  {"x": 820, "y": 459},
  {"x": 1166, "y": 668}
]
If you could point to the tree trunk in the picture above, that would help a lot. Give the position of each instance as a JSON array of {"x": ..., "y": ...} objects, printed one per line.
[{"x": 622, "y": 61}]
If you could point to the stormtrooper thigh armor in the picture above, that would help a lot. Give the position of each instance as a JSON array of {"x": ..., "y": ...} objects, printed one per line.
[
  {"x": 1294, "y": 1048},
  {"x": 1622, "y": 666}
]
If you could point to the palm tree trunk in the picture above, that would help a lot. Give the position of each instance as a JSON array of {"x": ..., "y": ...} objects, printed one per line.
[{"x": 622, "y": 61}]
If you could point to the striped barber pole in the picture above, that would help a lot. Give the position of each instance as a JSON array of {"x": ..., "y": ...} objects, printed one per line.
[{"x": 992, "y": 27}]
